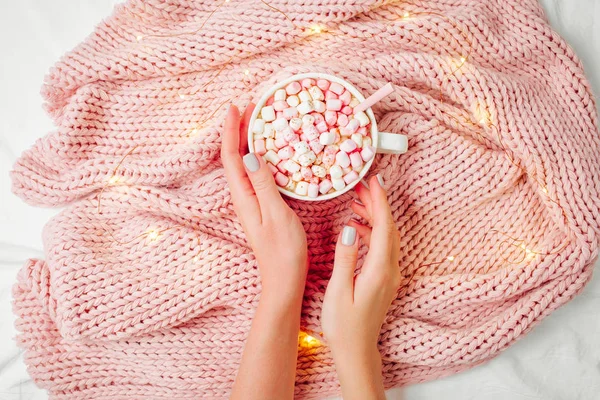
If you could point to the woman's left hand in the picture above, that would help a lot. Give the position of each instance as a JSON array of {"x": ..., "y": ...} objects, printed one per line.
[{"x": 272, "y": 228}]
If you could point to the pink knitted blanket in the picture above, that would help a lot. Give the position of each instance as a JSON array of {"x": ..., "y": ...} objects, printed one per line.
[{"x": 148, "y": 287}]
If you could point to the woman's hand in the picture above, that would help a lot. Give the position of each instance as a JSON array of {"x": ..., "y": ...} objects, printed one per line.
[
  {"x": 354, "y": 307},
  {"x": 272, "y": 229}
]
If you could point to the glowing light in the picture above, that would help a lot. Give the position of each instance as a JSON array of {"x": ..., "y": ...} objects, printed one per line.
[
  {"x": 181, "y": 96},
  {"x": 406, "y": 15},
  {"x": 315, "y": 29},
  {"x": 194, "y": 132},
  {"x": 153, "y": 234},
  {"x": 545, "y": 190},
  {"x": 307, "y": 340},
  {"x": 462, "y": 60},
  {"x": 450, "y": 258},
  {"x": 139, "y": 37},
  {"x": 246, "y": 72},
  {"x": 113, "y": 180},
  {"x": 196, "y": 258}
]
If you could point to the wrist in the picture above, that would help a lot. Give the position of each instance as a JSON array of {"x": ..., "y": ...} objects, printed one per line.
[{"x": 359, "y": 371}]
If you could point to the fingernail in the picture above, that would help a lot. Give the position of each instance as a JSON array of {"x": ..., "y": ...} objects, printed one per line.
[
  {"x": 348, "y": 235},
  {"x": 380, "y": 180},
  {"x": 357, "y": 201},
  {"x": 365, "y": 184},
  {"x": 251, "y": 162}
]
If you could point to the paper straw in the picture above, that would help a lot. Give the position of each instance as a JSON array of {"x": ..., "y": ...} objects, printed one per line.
[{"x": 374, "y": 98}]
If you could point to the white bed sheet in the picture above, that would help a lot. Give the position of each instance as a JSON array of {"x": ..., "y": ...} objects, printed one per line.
[{"x": 559, "y": 360}]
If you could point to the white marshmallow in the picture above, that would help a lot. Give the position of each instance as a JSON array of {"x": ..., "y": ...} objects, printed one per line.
[
  {"x": 293, "y": 101},
  {"x": 297, "y": 176},
  {"x": 290, "y": 113},
  {"x": 362, "y": 118},
  {"x": 301, "y": 148},
  {"x": 268, "y": 113},
  {"x": 354, "y": 102},
  {"x": 304, "y": 96},
  {"x": 311, "y": 132},
  {"x": 335, "y": 172},
  {"x": 367, "y": 141},
  {"x": 302, "y": 188},
  {"x": 327, "y": 138},
  {"x": 272, "y": 157},
  {"x": 316, "y": 93},
  {"x": 269, "y": 132},
  {"x": 270, "y": 144},
  {"x": 259, "y": 126},
  {"x": 305, "y": 107},
  {"x": 357, "y": 138},
  {"x": 291, "y": 185},
  {"x": 291, "y": 166},
  {"x": 307, "y": 158},
  {"x": 338, "y": 183},
  {"x": 280, "y": 124},
  {"x": 308, "y": 119},
  {"x": 319, "y": 171},
  {"x": 319, "y": 106},
  {"x": 296, "y": 123},
  {"x": 280, "y": 95}
]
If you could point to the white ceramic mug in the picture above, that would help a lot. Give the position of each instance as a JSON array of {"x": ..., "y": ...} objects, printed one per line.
[{"x": 383, "y": 142}]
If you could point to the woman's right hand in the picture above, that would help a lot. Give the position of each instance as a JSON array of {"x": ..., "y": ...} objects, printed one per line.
[{"x": 354, "y": 308}]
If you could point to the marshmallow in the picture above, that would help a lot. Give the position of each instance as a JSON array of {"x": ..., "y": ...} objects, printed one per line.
[
  {"x": 280, "y": 105},
  {"x": 319, "y": 171},
  {"x": 356, "y": 161},
  {"x": 334, "y": 104},
  {"x": 278, "y": 114},
  {"x": 285, "y": 152},
  {"x": 313, "y": 190},
  {"x": 316, "y": 93},
  {"x": 352, "y": 126},
  {"x": 332, "y": 149},
  {"x": 289, "y": 136},
  {"x": 357, "y": 138},
  {"x": 342, "y": 119},
  {"x": 327, "y": 138},
  {"x": 304, "y": 96},
  {"x": 316, "y": 146},
  {"x": 335, "y": 172},
  {"x": 336, "y": 88},
  {"x": 319, "y": 106},
  {"x": 308, "y": 82},
  {"x": 280, "y": 124},
  {"x": 268, "y": 113},
  {"x": 363, "y": 131},
  {"x": 259, "y": 147},
  {"x": 295, "y": 124},
  {"x": 350, "y": 177},
  {"x": 362, "y": 118},
  {"x": 318, "y": 118},
  {"x": 310, "y": 132},
  {"x": 280, "y": 95},
  {"x": 306, "y": 173},
  {"x": 269, "y": 132},
  {"x": 347, "y": 110},
  {"x": 281, "y": 179},
  {"x": 293, "y": 101},
  {"x": 308, "y": 119},
  {"x": 330, "y": 117},
  {"x": 367, "y": 141},
  {"x": 301, "y": 148},
  {"x": 346, "y": 170},
  {"x": 345, "y": 98},
  {"x": 330, "y": 95},
  {"x": 348, "y": 146},
  {"x": 342, "y": 159},
  {"x": 297, "y": 176},
  {"x": 292, "y": 166},
  {"x": 315, "y": 180},
  {"x": 281, "y": 167},
  {"x": 354, "y": 102},
  {"x": 293, "y": 88},
  {"x": 325, "y": 186},
  {"x": 307, "y": 158},
  {"x": 328, "y": 159},
  {"x": 280, "y": 142},
  {"x": 338, "y": 184},
  {"x": 290, "y": 113},
  {"x": 272, "y": 157},
  {"x": 259, "y": 126},
  {"x": 270, "y": 144},
  {"x": 305, "y": 107},
  {"x": 322, "y": 126},
  {"x": 323, "y": 84},
  {"x": 291, "y": 185},
  {"x": 301, "y": 188},
  {"x": 319, "y": 159},
  {"x": 367, "y": 153}
]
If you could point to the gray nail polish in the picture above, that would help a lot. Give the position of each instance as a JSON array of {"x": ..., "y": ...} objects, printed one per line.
[
  {"x": 251, "y": 162},
  {"x": 348, "y": 235},
  {"x": 380, "y": 180}
]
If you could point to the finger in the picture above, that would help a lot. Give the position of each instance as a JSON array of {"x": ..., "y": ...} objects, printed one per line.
[
  {"x": 361, "y": 211},
  {"x": 346, "y": 254},
  {"x": 242, "y": 194},
  {"x": 363, "y": 231},
  {"x": 384, "y": 228},
  {"x": 263, "y": 183},
  {"x": 364, "y": 195},
  {"x": 244, "y": 128}
]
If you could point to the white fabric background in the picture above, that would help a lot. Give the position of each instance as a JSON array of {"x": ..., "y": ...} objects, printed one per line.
[{"x": 559, "y": 360}]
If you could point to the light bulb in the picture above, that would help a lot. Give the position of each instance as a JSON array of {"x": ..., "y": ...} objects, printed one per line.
[
  {"x": 113, "y": 180},
  {"x": 406, "y": 15},
  {"x": 246, "y": 72},
  {"x": 450, "y": 258},
  {"x": 462, "y": 60},
  {"x": 153, "y": 234},
  {"x": 139, "y": 37},
  {"x": 181, "y": 96}
]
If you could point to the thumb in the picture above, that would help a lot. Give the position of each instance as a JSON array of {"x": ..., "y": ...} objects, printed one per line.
[
  {"x": 346, "y": 254},
  {"x": 262, "y": 182}
]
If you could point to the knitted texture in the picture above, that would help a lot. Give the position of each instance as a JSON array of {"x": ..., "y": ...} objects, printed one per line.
[{"x": 150, "y": 294}]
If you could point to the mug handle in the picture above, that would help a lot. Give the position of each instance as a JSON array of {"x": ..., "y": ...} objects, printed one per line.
[{"x": 391, "y": 143}]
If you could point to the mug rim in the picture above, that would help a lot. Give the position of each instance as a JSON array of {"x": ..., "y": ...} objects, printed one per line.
[{"x": 316, "y": 75}]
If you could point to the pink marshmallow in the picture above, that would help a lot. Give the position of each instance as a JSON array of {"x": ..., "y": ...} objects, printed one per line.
[
  {"x": 306, "y": 173},
  {"x": 280, "y": 105},
  {"x": 281, "y": 167},
  {"x": 356, "y": 160},
  {"x": 328, "y": 159},
  {"x": 280, "y": 143},
  {"x": 346, "y": 97},
  {"x": 352, "y": 126},
  {"x": 281, "y": 179},
  {"x": 293, "y": 88},
  {"x": 363, "y": 131},
  {"x": 259, "y": 147},
  {"x": 350, "y": 177},
  {"x": 308, "y": 82},
  {"x": 272, "y": 168},
  {"x": 316, "y": 146},
  {"x": 290, "y": 112},
  {"x": 303, "y": 137},
  {"x": 330, "y": 117},
  {"x": 334, "y": 104},
  {"x": 322, "y": 127},
  {"x": 347, "y": 110},
  {"x": 342, "y": 159},
  {"x": 348, "y": 146},
  {"x": 290, "y": 136},
  {"x": 311, "y": 132},
  {"x": 336, "y": 88},
  {"x": 323, "y": 84},
  {"x": 367, "y": 153},
  {"x": 279, "y": 114},
  {"x": 315, "y": 180},
  {"x": 330, "y": 95},
  {"x": 318, "y": 118},
  {"x": 286, "y": 152},
  {"x": 342, "y": 119},
  {"x": 325, "y": 186},
  {"x": 295, "y": 139},
  {"x": 313, "y": 190}
]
